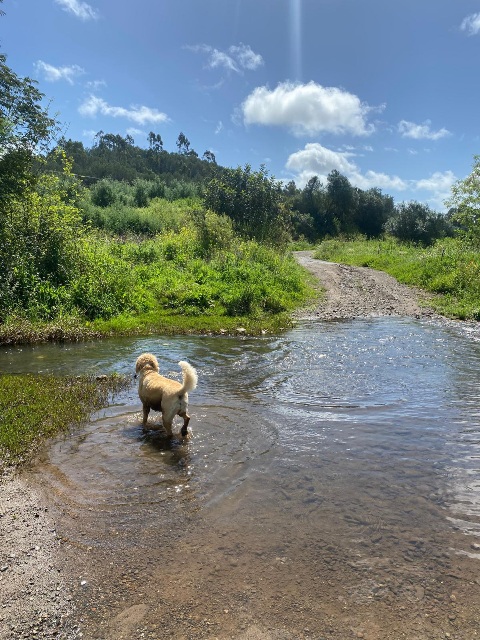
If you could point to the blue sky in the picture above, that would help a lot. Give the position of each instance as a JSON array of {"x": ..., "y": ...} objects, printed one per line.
[{"x": 385, "y": 91}]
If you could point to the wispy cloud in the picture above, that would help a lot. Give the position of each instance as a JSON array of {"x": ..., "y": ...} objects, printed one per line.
[
  {"x": 94, "y": 85},
  {"x": 236, "y": 58},
  {"x": 420, "y": 131},
  {"x": 471, "y": 24},
  {"x": 307, "y": 109},
  {"x": 133, "y": 131},
  {"x": 246, "y": 58},
  {"x": 139, "y": 114},
  {"x": 79, "y": 9},
  {"x": 54, "y": 74}
]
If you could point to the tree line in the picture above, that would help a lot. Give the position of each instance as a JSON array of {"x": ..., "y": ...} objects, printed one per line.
[{"x": 260, "y": 206}]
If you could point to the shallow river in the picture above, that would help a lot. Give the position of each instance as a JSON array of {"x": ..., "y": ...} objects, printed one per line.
[{"x": 330, "y": 486}]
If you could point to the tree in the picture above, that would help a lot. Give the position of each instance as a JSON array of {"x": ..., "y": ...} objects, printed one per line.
[
  {"x": 341, "y": 199},
  {"x": 372, "y": 211},
  {"x": 183, "y": 143},
  {"x": 253, "y": 200},
  {"x": 314, "y": 203},
  {"x": 209, "y": 156},
  {"x": 465, "y": 202},
  {"x": 416, "y": 222},
  {"x": 155, "y": 142},
  {"x": 40, "y": 232},
  {"x": 25, "y": 130}
]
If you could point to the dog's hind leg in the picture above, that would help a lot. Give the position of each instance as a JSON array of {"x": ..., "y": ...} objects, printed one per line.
[{"x": 186, "y": 420}]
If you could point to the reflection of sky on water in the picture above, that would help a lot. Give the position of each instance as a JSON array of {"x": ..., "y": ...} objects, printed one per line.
[{"x": 391, "y": 406}]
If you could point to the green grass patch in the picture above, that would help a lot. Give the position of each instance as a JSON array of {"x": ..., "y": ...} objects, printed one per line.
[
  {"x": 34, "y": 408},
  {"x": 450, "y": 269},
  {"x": 161, "y": 322},
  {"x": 177, "y": 282}
]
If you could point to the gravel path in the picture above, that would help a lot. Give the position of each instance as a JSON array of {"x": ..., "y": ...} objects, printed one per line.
[
  {"x": 359, "y": 291},
  {"x": 34, "y": 598}
]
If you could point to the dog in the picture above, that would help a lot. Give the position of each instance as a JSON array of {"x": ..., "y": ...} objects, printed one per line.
[{"x": 162, "y": 394}]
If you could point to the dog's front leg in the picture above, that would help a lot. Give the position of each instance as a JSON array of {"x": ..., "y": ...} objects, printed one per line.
[
  {"x": 168, "y": 428},
  {"x": 146, "y": 411}
]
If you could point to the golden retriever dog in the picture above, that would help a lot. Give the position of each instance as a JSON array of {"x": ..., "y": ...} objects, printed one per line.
[{"x": 162, "y": 394}]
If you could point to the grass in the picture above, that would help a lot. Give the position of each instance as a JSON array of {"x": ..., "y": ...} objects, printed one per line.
[
  {"x": 450, "y": 269},
  {"x": 34, "y": 408},
  {"x": 168, "y": 285}
]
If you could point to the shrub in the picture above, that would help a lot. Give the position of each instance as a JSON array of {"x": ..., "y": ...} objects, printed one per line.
[{"x": 102, "y": 194}]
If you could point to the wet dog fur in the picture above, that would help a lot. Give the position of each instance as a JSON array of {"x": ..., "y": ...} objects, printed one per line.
[{"x": 163, "y": 394}]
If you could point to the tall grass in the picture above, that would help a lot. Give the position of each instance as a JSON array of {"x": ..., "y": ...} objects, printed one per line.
[
  {"x": 450, "y": 268},
  {"x": 125, "y": 218},
  {"x": 199, "y": 278},
  {"x": 122, "y": 260}
]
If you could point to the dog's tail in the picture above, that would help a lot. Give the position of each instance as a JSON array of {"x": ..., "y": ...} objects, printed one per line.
[{"x": 189, "y": 377}]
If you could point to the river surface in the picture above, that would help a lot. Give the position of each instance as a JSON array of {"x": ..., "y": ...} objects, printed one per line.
[{"x": 330, "y": 487}]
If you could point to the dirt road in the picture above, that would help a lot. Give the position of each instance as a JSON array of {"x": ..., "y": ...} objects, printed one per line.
[{"x": 359, "y": 291}]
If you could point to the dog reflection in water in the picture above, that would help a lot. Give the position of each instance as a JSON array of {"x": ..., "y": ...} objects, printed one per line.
[{"x": 163, "y": 394}]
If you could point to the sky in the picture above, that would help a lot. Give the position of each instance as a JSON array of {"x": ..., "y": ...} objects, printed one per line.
[{"x": 385, "y": 91}]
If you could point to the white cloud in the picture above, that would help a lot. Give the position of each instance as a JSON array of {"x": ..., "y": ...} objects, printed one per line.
[
  {"x": 54, "y": 74},
  {"x": 439, "y": 185},
  {"x": 420, "y": 131},
  {"x": 79, "y": 9},
  {"x": 237, "y": 58},
  {"x": 471, "y": 24},
  {"x": 219, "y": 127},
  {"x": 316, "y": 160},
  {"x": 93, "y": 106},
  {"x": 381, "y": 180},
  {"x": 307, "y": 109},
  {"x": 438, "y": 182}
]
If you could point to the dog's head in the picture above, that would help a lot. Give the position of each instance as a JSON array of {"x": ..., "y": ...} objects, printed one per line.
[{"x": 146, "y": 362}]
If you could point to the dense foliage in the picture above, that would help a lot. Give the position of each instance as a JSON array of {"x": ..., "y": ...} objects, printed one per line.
[
  {"x": 465, "y": 203},
  {"x": 24, "y": 127},
  {"x": 119, "y": 158},
  {"x": 252, "y": 200},
  {"x": 417, "y": 223}
]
